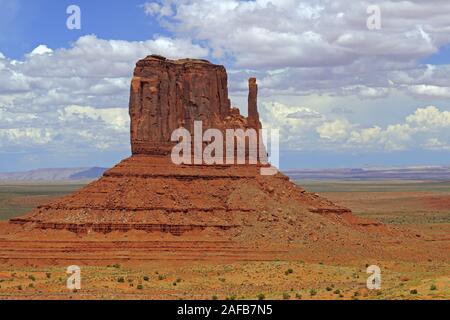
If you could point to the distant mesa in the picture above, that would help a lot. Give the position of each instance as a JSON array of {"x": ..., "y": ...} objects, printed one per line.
[
  {"x": 91, "y": 173},
  {"x": 55, "y": 174},
  {"x": 371, "y": 174},
  {"x": 403, "y": 173}
]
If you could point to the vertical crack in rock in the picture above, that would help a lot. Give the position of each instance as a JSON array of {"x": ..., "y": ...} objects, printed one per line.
[{"x": 172, "y": 94}]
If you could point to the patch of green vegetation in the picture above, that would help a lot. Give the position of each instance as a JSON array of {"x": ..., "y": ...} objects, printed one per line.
[{"x": 11, "y": 205}]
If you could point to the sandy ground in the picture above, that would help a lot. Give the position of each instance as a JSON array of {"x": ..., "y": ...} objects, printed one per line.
[{"x": 413, "y": 258}]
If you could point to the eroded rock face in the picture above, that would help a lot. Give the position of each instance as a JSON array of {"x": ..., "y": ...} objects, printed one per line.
[
  {"x": 169, "y": 94},
  {"x": 148, "y": 192},
  {"x": 253, "y": 115}
]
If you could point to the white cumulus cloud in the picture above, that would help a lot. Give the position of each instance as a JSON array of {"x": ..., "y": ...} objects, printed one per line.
[{"x": 40, "y": 50}]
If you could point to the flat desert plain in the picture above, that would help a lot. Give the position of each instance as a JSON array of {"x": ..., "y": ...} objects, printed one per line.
[{"x": 421, "y": 208}]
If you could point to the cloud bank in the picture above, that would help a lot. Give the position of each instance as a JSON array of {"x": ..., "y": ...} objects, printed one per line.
[{"x": 326, "y": 80}]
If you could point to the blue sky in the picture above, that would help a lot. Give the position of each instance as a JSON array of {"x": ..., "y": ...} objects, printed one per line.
[
  {"x": 44, "y": 21},
  {"x": 340, "y": 94},
  {"x": 441, "y": 57}
]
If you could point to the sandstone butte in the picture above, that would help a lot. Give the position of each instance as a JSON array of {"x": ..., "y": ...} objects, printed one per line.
[{"x": 147, "y": 197}]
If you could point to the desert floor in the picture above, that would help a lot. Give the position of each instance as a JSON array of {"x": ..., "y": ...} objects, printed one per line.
[{"x": 419, "y": 207}]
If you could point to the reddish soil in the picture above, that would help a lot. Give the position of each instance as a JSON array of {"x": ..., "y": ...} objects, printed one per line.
[{"x": 324, "y": 249}]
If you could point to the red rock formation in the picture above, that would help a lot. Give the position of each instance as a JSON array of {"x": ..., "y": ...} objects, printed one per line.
[
  {"x": 168, "y": 94},
  {"x": 253, "y": 115},
  {"x": 148, "y": 192}
]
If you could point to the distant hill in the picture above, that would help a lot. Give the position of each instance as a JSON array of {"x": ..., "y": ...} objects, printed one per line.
[
  {"x": 91, "y": 173},
  {"x": 407, "y": 173},
  {"x": 60, "y": 174}
]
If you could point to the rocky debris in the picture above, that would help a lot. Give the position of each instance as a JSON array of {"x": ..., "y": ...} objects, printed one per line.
[{"x": 80, "y": 228}]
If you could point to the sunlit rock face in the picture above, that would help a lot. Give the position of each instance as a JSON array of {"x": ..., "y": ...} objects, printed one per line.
[{"x": 169, "y": 94}]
